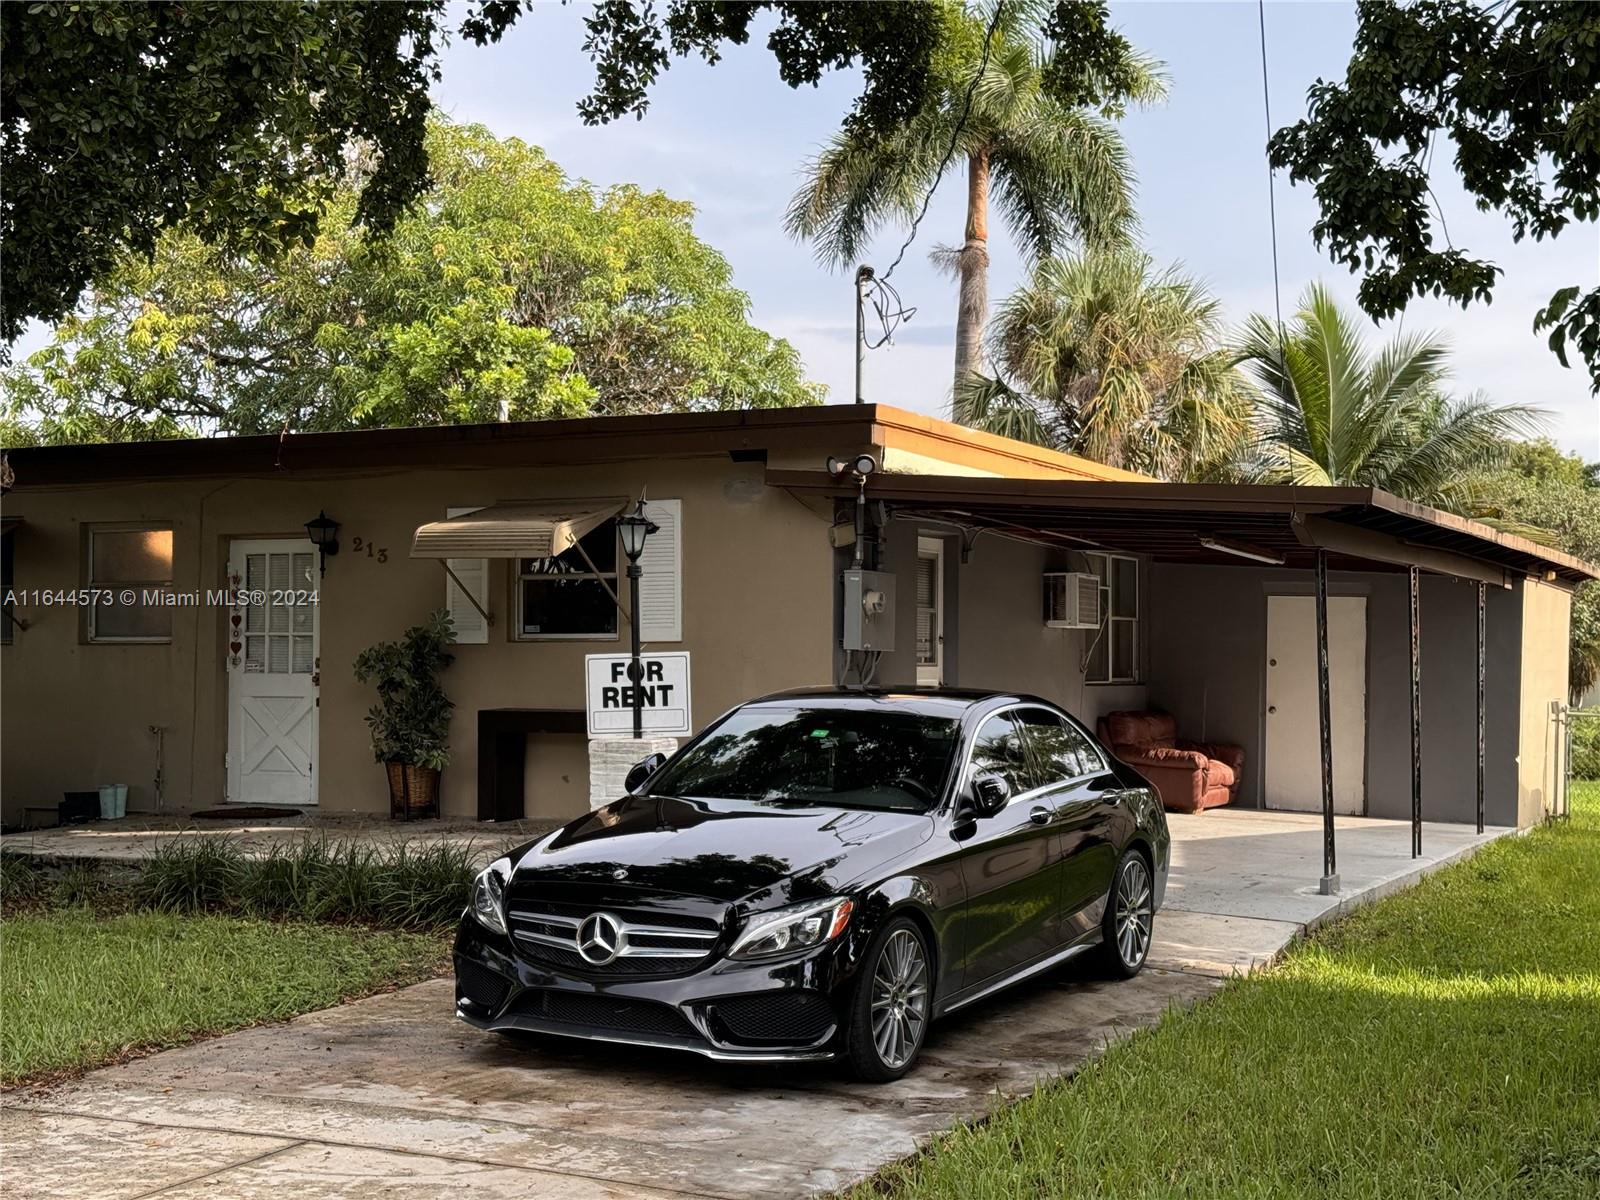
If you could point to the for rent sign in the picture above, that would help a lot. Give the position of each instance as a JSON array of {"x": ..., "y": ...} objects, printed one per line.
[{"x": 663, "y": 693}]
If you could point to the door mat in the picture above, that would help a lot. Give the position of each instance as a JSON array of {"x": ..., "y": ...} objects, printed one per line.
[{"x": 244, "y": 812}]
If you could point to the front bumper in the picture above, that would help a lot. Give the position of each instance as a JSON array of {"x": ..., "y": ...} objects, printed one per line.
[{"x": 785, "y": 1011}]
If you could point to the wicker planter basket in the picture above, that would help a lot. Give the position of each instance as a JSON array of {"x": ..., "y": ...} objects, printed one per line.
[{"x": 413, "y": 791}]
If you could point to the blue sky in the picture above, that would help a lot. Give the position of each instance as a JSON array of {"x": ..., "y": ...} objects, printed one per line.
[{"x": 731, "y": 139}]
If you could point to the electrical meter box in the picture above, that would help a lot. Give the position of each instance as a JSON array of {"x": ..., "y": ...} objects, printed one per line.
[{"x": 868, "y": 610}]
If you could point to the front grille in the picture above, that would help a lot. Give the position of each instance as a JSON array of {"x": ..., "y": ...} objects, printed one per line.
[
  {"x": 615, "y": 1013},
  {"x": 480, "y": 985},
  {"x": 787, "y": 1017},
  {"x": 653, "y": 942}
]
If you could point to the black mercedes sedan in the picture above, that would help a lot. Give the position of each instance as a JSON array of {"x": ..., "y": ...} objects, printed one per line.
[{"x": 819, "y": 874}]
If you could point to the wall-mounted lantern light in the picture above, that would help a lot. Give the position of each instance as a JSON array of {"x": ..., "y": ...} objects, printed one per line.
[{"x": 323, "y": 531}]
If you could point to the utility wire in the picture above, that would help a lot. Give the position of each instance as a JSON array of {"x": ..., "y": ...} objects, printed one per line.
[
  {"x": 955, "y": 136},
  {"x": 1272, "y": 198}
]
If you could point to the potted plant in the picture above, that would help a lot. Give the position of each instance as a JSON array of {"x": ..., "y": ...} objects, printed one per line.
[{"x": 410, "y": 724}]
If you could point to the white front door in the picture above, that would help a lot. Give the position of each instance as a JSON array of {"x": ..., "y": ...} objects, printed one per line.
[
  {"x": 930, "y": 612},
  {"x": 1294, "y": 726},
  {"x": 272, "y": 673}
]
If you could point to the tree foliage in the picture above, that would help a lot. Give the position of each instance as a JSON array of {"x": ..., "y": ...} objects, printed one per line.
[
  {"x": 1102, "y": 355},
  {"x": 1032, "y": 122},
  {"x": 510, "y": 288},
  {"x": 1515, "y": 87},
  {"x": 1332, "y": 411},
  {"x": 1539, "y": 486},
  {"x": 121, "y": 119}
]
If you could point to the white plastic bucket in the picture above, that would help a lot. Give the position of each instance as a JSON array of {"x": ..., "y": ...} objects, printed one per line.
[{"x": 113, "y": 801}]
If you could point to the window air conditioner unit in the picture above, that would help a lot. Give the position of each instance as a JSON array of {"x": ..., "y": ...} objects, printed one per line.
[{"x": 1071, "y": 600}]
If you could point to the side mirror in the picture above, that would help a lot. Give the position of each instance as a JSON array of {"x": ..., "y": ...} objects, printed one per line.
[
  {"x": 639, "y": 774},
  {"x": 990, "y": 793}
]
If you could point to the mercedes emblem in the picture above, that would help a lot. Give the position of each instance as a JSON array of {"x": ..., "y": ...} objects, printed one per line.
[{"x": 600, "y": 938}]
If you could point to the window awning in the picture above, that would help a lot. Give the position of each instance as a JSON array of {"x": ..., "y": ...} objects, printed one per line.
[{"x": 526, "y": 529}]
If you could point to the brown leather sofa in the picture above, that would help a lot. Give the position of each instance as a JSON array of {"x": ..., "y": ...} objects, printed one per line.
[{"x": 1191, "y": 776}]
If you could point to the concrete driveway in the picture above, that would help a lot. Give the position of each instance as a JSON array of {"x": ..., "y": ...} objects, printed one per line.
[{"x": 392, "y": 1096}]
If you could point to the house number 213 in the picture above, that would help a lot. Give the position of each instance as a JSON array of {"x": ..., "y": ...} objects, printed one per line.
[{"x": 361, "y": 545}]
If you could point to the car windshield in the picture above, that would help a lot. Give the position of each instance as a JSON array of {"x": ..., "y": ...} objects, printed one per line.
[{"x": 831, "y": 756}]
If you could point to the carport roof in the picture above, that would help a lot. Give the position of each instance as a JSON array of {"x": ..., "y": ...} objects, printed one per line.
[{"x": 1360, "y": 527}]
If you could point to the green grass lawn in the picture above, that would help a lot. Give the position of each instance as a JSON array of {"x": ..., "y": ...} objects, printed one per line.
[
  {"x": 77, "y": 989},
  {"x": 1442, "y": 1043}
]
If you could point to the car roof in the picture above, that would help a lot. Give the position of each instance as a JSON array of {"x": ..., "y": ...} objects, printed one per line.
[{"x": 945, "y": 702}]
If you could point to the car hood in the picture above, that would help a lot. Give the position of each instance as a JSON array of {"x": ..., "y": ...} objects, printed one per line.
[{"x": 723, "y": 850}]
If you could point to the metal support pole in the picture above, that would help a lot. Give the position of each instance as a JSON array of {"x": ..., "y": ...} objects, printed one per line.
[
  {"x": 635, "y": 674},
  {"x": 1480, "y": 704},
  {"x": 1330, "y": 864},
  {"x": 1415, "y": 589},
  {"x": 863, "y": 275}
]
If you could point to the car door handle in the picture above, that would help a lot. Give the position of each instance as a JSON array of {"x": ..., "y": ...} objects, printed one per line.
[{"x": 1040, "y": 815}]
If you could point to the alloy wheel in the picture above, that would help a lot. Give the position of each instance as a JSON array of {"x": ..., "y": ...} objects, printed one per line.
[
  {"x": 899, "y": 998},
  {"x": 1134, "y": 915}
]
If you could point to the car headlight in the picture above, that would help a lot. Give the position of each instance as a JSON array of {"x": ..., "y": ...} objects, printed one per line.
[
  {"x": 489, "y": 895},
  {"x": 797, "y": 927}
]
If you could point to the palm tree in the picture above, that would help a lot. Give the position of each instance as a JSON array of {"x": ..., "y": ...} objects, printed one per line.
[
  {"x": 1056, "y": 171},
  {"x": 1100, "y": 354},
  {"x": 1333, "y": 412}
]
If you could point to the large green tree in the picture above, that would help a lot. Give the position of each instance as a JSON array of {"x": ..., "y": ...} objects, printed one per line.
[
  {"x": 1103, "y": 355},
  {"x": 120, "y": 119},
  {"x": 511, "y": 289},
  {"x": 1333, "y": 411},
  {"x": 1032, "y": 121},
  {"x": 1537, "y": 485},
  {"x": 1514, "y": 88}
]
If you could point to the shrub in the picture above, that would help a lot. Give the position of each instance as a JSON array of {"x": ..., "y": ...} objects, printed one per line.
[
  {"x": 1586, "y": 748},
  {"x": 21, "y": 878},
  {"x": 411, "y": 721},
  {"x": 190, "y": 874},
  {"x": 407, "y": 886},
  {"x": 78, "y": 883}
]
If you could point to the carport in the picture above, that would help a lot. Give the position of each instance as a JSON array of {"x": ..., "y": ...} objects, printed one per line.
[{"x": 1468, "y": 627}]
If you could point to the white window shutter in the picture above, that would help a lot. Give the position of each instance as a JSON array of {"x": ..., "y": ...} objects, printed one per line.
[
  {"x": 471, "y": 629},
  {"x": 661, "y": 585}
]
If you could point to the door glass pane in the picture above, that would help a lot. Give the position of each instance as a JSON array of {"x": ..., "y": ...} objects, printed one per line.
[
  {"x": 277, "y": 655},
  {"x": 1055, "y": 750},
  {"x": 255, "y": 653},
  {"x": 301, "y": 659},
  {"x": 999, "y": 750}
]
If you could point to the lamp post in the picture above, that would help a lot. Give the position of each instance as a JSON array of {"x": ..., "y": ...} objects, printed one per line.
[{"x": 634, "y": 528}]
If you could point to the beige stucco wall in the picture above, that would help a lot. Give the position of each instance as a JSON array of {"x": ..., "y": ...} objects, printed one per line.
[
  {"x": 1546, "y": 631},
  {"x": 757, "y": 615}
]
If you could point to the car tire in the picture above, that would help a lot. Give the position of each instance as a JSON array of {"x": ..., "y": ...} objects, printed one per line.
[
  {"x": 1128, "y": 927},
  {"x": 892, "y": 1003}
]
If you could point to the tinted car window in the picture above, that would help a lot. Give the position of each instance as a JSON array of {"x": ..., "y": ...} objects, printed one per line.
[
  {"x": 853, "y": 758},
  {"x": 999, "y": 749},
  {"x": 1060, "y": 749}
]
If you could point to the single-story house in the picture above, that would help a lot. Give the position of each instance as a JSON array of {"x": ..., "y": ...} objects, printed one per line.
[{"x": 981, "y": 562}]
